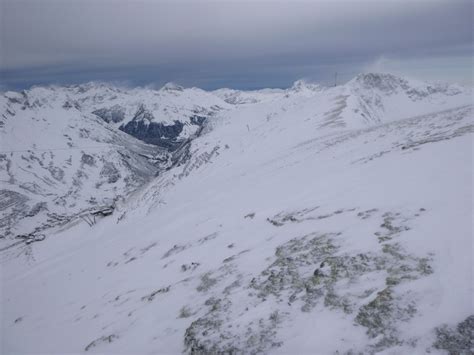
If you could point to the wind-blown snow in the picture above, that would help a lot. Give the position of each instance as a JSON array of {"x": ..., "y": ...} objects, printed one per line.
[{"x": 307, "y": 220}]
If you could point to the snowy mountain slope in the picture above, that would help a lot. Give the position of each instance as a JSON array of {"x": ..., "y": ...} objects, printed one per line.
[
  {"x": 367, "y": 99},
  {"x": 383, "y": 97},
  {"x": 292, "y": 226},
  {"x": 59, "y": 158},
  {"x": 172, "y": 106},
  {"x": 238, "y": 97},
  {"x": 168, "y": 104},
  {"x": 56, "y": 162}
]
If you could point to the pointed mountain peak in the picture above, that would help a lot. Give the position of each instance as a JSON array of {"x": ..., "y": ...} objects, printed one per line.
[
  {"x": 303, "y": 85},
  {"x": 383, "y": 81},
  {"x": 171, "y": 87}
]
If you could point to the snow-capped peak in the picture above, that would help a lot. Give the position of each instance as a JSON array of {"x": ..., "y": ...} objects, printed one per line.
[
  {"x": 391, "y": 84},
  {"x": 302, "y": 85},
  {"x": 143, "y": 114},
  {"x": 170, "y": 86},
  {"x": 382, "y": 81},
  {"x": 13, "y": 96}
]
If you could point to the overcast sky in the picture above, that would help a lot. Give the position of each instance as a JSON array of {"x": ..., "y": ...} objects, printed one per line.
[{"x": 240, "y": 44}]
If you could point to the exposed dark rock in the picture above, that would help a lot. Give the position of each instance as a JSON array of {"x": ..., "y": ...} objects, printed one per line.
[
  {"x": 207, "y": 282},
  {"x": 37, "y": 208},
  {"x": 31, "y": 238},
  {"x": 103, "y": 339},
  {"x": 143, "y": 127},
  {"x": 110, "y": 171},
  {"x": 185, "y": 312},
  {"x": 13, "y": 206},
  {"x": 207, "y": 334},
  {"x": 250, "y": 215},
  {"x": 197, "y": 120},
  {"x": 103, "y": 211},
  {"x": 87, "y": 159},
  {"x": 174, "y": 250},
  {"x": 155, "y": 133},
  {"x": 70, "y": 104},
  {"x": 457, "y": 340},
  {"x": 114, "y": 114},
  {"x": 152, "y": 295},
  {"x": 192, "y": 266}
]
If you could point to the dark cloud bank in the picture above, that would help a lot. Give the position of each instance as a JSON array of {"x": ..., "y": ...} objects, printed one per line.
[{"x": 241, "y": 44}]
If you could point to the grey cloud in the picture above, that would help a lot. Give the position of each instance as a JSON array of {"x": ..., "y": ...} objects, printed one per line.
[{"x": 202, "y": 34}]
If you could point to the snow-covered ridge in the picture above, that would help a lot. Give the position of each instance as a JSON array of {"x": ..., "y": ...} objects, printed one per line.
[
  {"x": 391, "y": 84},
  {"x": 118, "y": 105},
  {"x": 37, "y": 122},
  {"x": 306, "y": 220}
]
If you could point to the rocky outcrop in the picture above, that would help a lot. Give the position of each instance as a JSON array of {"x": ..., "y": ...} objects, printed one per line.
[
  {"x": 144, "y": 127},
  {"x": 156, "y": 133},
  {"x": 113, "y": 114}
]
